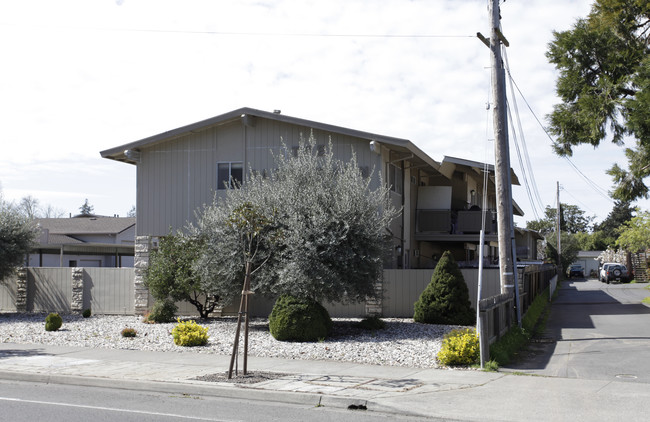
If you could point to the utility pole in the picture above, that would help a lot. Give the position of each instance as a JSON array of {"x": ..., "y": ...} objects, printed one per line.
[
  {"x": 558, "y": 231},
  {"x": 502, "y": 155}
]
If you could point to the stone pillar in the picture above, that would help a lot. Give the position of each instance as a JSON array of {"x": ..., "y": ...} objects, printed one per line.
[
  {"x": 77, "y": 304},
  {"x": 21, "y": 290},
  {"x": 374, "y": 305},
  {"x": 142, "y": 251}
]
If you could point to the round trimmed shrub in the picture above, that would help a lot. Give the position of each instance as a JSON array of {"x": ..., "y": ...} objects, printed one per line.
[
  {"x": 189, "y": 333},
  {"x": 294, "y": 319},
  {"x": 445, "y": 300},
  {"x": 162, "y": 311},
  {"x": 86, "y": 313},
  {"x": 460, "y": 347},
  {"x": 53, "y": 322}
]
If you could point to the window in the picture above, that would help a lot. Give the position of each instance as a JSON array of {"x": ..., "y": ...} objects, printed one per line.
[
  {"x": 229, "y": 175},
  {"x": 395, "y": 175}
]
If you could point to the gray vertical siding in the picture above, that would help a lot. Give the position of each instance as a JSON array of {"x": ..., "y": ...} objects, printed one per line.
[
  {"x": 8, "y": 295},
  {"x": 109, "y": 290},
  {"x": 176, "y": 178},
  {"x": 402, "y": 288},
  {"x": 49, "y": 289}
]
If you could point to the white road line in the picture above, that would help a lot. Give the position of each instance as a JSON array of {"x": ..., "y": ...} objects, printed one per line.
[{"x": 112, "y": 409}]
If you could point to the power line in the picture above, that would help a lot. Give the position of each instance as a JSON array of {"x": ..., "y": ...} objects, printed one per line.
[
  {"x": 589, "y": 182},
  {"x": 521, "y": 165},
  {"x": 245, "y": 33},
  {"x": 526, "y": 168},
  {"x": 577, "y": 200}
]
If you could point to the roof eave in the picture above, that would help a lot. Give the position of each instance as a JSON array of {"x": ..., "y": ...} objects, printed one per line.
[{"x": 118, "y": 153}]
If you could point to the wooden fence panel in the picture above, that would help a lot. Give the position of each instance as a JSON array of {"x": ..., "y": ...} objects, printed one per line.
[
  {"x": 402, "y": 288},
  {"x": 109, "y": 291},
  {"x": 8, "y": 295},
  {"x": 49, "y": 289}
]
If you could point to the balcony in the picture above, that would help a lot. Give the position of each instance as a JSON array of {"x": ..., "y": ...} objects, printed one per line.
[{"x": 462, "y": 225}]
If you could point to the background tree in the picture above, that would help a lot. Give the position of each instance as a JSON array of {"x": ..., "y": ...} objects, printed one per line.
[
  {"x": 171, "y": 275},
  {"x": 604, "y": 85},
  {"x": 86, "y": 209},
  {"x": 635, "y": 234},
  {"x": 132, "y": 212},
  {"x": 50, "y": 212},
  {"x": 17, "y": 237},
  {"x": 572, "y": 220},
  {"x": 29, "y": 207},
  {"x": 570, "y": 249},
  {"x": 606, "y": 233}
]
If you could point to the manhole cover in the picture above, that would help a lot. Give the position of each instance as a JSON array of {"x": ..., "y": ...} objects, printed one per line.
[{"x": 627, "y": 376}]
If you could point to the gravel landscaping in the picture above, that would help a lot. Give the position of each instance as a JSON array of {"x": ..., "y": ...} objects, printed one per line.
[{"x": 402, "y": 343}]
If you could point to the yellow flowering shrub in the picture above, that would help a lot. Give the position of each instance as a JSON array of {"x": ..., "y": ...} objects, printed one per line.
[
  {"x": 189, "y": 333},
  {"x": 460, "y": 347}
]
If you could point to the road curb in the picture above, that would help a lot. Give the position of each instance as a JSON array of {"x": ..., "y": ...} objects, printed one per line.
[{"x": 191, "y": 388}]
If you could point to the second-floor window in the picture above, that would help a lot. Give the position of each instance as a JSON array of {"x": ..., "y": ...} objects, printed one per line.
[
  {"x": 229, "y": 175},
  {"x": 395, "y": 177}
]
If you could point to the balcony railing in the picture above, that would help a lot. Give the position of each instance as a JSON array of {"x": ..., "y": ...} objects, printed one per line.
[{"x": 454, "y": 222}]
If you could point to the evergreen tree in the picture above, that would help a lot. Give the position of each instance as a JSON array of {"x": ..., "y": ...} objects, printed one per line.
[
  {"x": 604, "y": 85},
  {"x": 86, "y": 209},
  {"x": 445, "y": 300}
]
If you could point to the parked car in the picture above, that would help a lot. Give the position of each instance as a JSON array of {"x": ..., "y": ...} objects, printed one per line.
[
  {"x": 576, "y": 270},
  {"x": 613, "y": 271}
]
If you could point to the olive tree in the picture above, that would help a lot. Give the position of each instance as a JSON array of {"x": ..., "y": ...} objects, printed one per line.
[{"x": 321, "y": 230}]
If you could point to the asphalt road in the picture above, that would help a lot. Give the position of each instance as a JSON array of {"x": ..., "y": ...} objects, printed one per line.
[
  {"x": 24, "y": 401},
  {"x": 595, "y": 331}
]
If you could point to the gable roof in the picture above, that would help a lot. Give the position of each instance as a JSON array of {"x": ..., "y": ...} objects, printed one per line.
[
  {"x": 86, "y": 225},
  {"x": 398, "y": 144},
  {"x": 450, "y": 164}
]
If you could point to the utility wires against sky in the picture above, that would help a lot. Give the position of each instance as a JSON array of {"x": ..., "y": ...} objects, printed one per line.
[
  {"x": 526, "y": 168},
  {"x": 593, "y": 185},
  {"x": 239, "y": 33}
]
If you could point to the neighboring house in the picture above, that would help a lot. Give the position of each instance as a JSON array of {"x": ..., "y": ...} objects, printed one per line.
[
  {"x": 589, "y": 261},
  {"x": 84, "y": 241},
  {"x": 181, "y": 170}
]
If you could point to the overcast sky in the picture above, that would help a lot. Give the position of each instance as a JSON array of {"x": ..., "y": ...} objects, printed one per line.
[{"x": 79, "y": 77}]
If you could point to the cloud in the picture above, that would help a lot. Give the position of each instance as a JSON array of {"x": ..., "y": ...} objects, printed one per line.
[{"x": 104, "y": 75}]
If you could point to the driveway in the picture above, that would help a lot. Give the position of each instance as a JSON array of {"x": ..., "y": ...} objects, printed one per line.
[{"x": 595, "y": 331}]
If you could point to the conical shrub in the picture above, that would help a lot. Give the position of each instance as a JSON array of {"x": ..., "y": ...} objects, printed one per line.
[{"x": 446, "y": 299}]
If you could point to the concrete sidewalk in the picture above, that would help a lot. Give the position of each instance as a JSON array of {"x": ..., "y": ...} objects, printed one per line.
[{"x": 459, "y": 395}]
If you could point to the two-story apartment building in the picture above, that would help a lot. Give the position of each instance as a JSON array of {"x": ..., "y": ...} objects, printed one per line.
[{"x": 181, "y": 170}]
